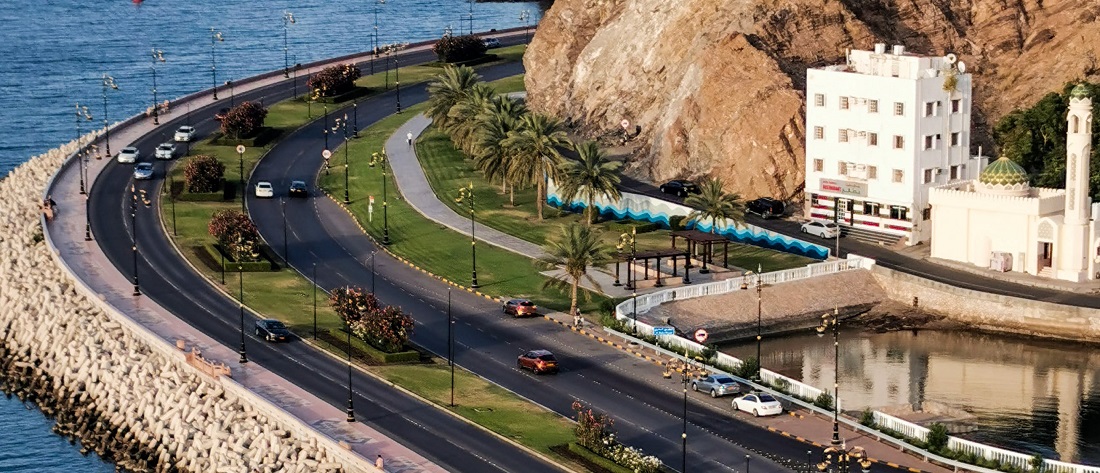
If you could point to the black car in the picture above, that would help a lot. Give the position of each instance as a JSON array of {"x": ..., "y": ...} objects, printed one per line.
[
  {"x": 765, "y": 207},
  {"x": 679, "y": 187},
  {"x": 298, "y": 189},
  {"x": 272, "y": 330}
]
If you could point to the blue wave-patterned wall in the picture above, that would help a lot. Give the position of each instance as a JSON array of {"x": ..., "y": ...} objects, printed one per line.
[{"x": 645, "y": 208}]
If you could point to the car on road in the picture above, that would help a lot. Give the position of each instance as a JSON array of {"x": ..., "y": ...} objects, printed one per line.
[
  {"x": 520, "y": 307},
  {"x": 166, "y": 151},
  {"x": 716, "y": 385},
  {"x": 264, "y": 190},
  {"x": 491, "y": 42},
  {"x": 298, "y": 189},
  {"x": 821, "y": 229},
  {"x": 766, "y": 207},
  {"x": 679, "y": 187},
  {"x": 758, "y": 404},
  {"x": 184, "y": 133},
  {"x": 129, "y": 155},
  {"x": 272, "y": 330},
  {"x": 539, "y": 361},
  {"x": 143, "y": 171}
]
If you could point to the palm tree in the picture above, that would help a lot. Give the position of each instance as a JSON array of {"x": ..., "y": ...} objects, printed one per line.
[
  {"x": 447, "y": 90},
  {"x": 463, "y": 119},
  {"x": 590, "y": 176},
  {"x": 578, "y": 249},
  {"x": 714, "y": 203},
  {"x": 490, "y": 156},
  {"x": 534, "y": 147}
]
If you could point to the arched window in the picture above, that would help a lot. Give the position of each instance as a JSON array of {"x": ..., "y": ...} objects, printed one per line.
[{"x": 1075, "y": 123}]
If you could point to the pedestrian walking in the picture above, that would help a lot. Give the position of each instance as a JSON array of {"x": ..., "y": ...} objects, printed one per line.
[
  {"x": 578, "y": 321},
  {"x": 50, "y": 202},
  {"x": 409, "y": 138},
  {"x": 379, "y": 463}
]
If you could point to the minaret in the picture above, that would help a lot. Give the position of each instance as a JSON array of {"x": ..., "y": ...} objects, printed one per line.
[{"x": 1075, "y": 232}]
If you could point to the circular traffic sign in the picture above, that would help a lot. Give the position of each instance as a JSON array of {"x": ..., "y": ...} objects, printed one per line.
[
  {"x": 625, "y": 123},
  {"x": 326, "y": 154},
  {"x": 240, "y": 149},
  {"x": 701, "y": 335}
]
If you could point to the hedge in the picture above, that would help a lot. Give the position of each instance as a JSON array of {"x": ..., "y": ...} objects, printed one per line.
[
  {"x": 201, "y": 196},
  {"x": 354, "y": 93},
  {"x": 605, "y": 463},
  {"x": 625, "y": 226},
  {"x": 485, "y": 58},
  {"x": 265, "y": 265},
  {"x": 262, "y": 137},
  {"x": 337, "y": 339}
]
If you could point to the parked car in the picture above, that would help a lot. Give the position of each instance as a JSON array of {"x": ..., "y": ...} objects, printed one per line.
[
  {"x": 765, "y": 207},
  {"x": 272, "y": 330},
  {"x": 679, "y": 187},
  {"x": 758, "y": 404},
  {"x": 143, "y": 171},
  {"x": 129, "y": 155},
  {"x": 491, "y": 42},
  {"x": 298, "y": 189},
  {"x": 539, "y": 361},
  {"x": 716, "y": 385},
  {"x": 821, "y": 229},
  {"x": 166, "y": 151},
  {"x": 264, "y": 190},
  {"x": 184, "y": 133},
  {"x": 520, "y": 307}
]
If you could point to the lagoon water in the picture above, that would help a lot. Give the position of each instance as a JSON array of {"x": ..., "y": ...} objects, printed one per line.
[{"x": 55, "y": 54}]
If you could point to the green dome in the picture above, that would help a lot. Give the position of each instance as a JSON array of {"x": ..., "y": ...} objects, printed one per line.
[
  {"x": 1081, "y": 91},
  {"x": 1003, "y": 172}
]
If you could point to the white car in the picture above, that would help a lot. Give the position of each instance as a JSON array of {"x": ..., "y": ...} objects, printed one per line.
[
  {"x": 166, "y": 151},
  {"x": 129, "y": 155},
  {"x": 491, "y": 42},
  {"x": 184, "y": 133},
  {"x": 264, "y": 190},
  {"x": 758, "y": 404},
  {"x": 821, "y": 229}
]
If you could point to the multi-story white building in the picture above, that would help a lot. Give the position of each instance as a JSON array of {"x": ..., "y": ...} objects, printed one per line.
[{"x": 881, "y": 130}]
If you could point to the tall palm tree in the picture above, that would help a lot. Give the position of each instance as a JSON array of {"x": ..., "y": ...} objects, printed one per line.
[
  {"x": 490, "y": 156},
  {"x": 463, "y": 118},
  {"x": 448, "y": 89},
  {"x": 534, "y": 148},
  {"x": 577, "y": 249},
  {"x": 588, "y": 177},
  {"x": 714, "y": 203}
]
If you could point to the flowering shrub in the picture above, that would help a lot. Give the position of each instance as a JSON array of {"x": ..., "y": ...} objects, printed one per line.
[
  {"x": 236, "y": 234},
  {"x": 244, "y": 120},
  {"x": 203, "y": 173},
  {"x": 594, "y": 431},
  {"x": 384, "y": 327},
  {"x": 459, "y": 48},
  {"x": 352, "y": 303},
  {"x": 334, "y": 80}
]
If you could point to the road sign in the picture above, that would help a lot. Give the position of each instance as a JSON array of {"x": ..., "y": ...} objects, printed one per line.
[
  {"x": 701, "y": 335},
  {"x": 658, "y": 331},
  {"x": 625, "y": 123},
  {"x": 326, "y": 154},
  {"x": 372, "y": 200},
  {"x": 240, "y": 149}
]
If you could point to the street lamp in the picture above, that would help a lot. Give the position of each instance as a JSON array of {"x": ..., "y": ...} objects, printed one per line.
[
  {"x": 87, "y": 205},
  {"x": 466, "y": 193},
  {"x": 832, "y": 320},
  {"x": 759, "y": 337},
  {"x": 471, "y": 2},
  {"x": 351, "y": 408},
  {"x": 315, "y": 300},
  {"x": 451, "y": 344},
  {"x": 842, "y": 458},
  {"x": 108, "y": 83},
  {"x": 158, "y": 56},
  {"x": 382, "y": 159},
  {"x": 524, "y": 16},
  {"x": 685, "y": 369},
  {"x": 240, "y": 181},
  {"x": 288, "y": 19},
  {"x": 215, "y": 38},
  {"x": 240, "y": 277},
  {"x": 374, "y": 42},
  {"x": 172, "y": 198},
  {"x": 286, "y": 254},
  {"x": 232, "y": 96},
  {"x": 342, "y": 124},
  {"x": 133, "y": 226},
  {"x": 397, "y": 81}
]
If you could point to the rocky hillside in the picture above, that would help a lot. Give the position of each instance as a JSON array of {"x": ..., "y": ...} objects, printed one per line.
[{"x": 717, "y": 86}]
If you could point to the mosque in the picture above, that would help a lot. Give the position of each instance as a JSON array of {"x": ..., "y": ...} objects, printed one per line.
[{"x": 1000, "y": 222}]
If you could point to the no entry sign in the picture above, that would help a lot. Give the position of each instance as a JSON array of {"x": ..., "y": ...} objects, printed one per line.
[{"x": 701, "y": 335}]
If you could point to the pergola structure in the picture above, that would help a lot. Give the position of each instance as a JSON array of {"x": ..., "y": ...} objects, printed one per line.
[
  {"x": 696, "y": 237},
  {"x": 647, "y": 255}
]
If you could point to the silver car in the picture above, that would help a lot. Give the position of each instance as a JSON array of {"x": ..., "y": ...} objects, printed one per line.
[
  {"x": 129, "y": 155},
  {"x": 143, "y": 171},
  {"x": 716, "y": 385}
]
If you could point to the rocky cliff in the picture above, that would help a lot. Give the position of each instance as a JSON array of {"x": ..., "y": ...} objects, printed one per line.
[{"x": 718, "y": 86}]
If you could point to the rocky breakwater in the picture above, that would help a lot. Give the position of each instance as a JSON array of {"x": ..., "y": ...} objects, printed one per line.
[{"x": 103, "y": 385}]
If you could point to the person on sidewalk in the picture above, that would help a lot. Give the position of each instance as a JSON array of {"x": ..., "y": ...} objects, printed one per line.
[
  {"x": 409, "y": 138},
  {"x": 379, "y": 463},
  {"x": 578, "y": 321}
]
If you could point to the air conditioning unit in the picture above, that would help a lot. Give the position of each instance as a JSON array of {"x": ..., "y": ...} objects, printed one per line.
[{"x": 862, "y": 133}]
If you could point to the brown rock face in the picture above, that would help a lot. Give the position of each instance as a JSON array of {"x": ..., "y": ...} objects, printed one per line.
[{"x": 718, "y": 86}]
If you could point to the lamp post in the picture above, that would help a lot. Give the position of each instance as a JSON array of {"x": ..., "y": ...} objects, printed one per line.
[
  {"x": 342, "y": 124},
  {"x": 286, "y": 254},
  {"x": 374, "y": 39},
  {"x": 397, "y": 81},
  {"x": 87, "y": 204},
  {"x": 685, "y": 374},
  {"x": 833, "y": 320},
  {"x": 381, "y": 159},
  {"x": 351, "y": 407},
  {"x": 315, "y": 300},
  {"x": 288, "y": 19},
  {"x": 133, "y": 226},
  {"x": 108, "y": 84},
  {"x": 240, "y": 278},
  {"x": 297, "y": 66},
  {"x": 842, "y": 458},
  {"x": 240, "y": 181},
  {"x": 82, "y": 114},
  {"x": 158, "y": 56},
  {"x": 466, "y": 193},
  {"x": 759, "y": 336},
  {"x": 451, "y": 344},
  {"x": 172, "y": 198},
  {"x": 215, "y": 37},
  {"x": 232, "y": 95},
  {"x": 524, "y": 16},
  {"x": 471, "y": 16}
]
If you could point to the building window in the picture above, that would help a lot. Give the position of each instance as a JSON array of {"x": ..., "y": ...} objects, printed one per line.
[
  {"x": 929, "y": 174},
  {"x": 899, "y": 142},
  {"x": 844, "y": 103},
  {"x": 870, "y": 209},
  {"x": 956, "y": 106},
  {"x": 899, "y": 109},
  {"x": 842, "y": 135},
  {"x": 954, "y": 172},
  {"x": 899, "y": 175},
  {"x": 872, "y": 106},
  {"x": 956, "y": 138},
  {"x": 872, "y": 139},
  {"x": 926, "y": 214},
  {"x": 899, "y": 213},
  {"x": 872, "y": 172},
  {"x": 929, "y": 109},
  {"x": 819, "y": 132},
  {"x": 929, "y": 142},
  {"x": 819, "y": 100},
  {"x": 819, "y": 165},
  {"x": 842, "y": 168}
]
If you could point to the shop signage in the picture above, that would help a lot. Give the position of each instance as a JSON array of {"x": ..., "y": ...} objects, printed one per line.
[{"x": 857, "y": 189}]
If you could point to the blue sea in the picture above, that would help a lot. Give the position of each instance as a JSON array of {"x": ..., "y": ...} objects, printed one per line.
[{"x": 53, "y": 55}]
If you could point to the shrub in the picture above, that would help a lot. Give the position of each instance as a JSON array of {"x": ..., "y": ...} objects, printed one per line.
[
  {"x": 1037, "y": 463},
  {"x": 386, "y": 328},
  {"x": 334, "y": 80},
  {"x": 459, "y": 48},
  {"x": 594, "y": 431},
  {"x": 782, "y": 385},
  {"x": 236, "y": 234},
  {"x": 937, "y": 436},
  {"x": 676, "y": 222},
  {"x": 352, "y": 303},
  {"x": 748, "y": 368},
  {"x": 824, "y": 401},
  {"x": 244, "y": 120},
  {"x": 867, "y": 418},
  {"x": 203, "y": 173}
]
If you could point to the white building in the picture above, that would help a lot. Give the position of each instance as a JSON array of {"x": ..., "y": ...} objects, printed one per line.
[
  {"x": 1000, "y": 222},
  {"x": 881, "y": 130}
]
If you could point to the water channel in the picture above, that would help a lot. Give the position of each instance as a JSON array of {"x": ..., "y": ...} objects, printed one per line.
[{"x": 1032, "y": 396}]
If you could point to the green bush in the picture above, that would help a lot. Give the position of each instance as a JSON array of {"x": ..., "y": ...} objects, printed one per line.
[
  {"x": 937, "y": 436},
  {"x": 201, "y": 196},
  {"x": 246, "y": 266},
  {"x": 781, "y": 385},
  {"x": 1037, "y": 463},
  {"x": 459, "y": 48},
  {"x": 353, "y": 93},
  {"x": 747, "y": 369},
  {"x": 676, "y": 222},
  {"x": 244, "y": 121},
  {"x": 867, "y": 418},
  {"x": 824, "y": 401},
  {"x": 203, "y": 173}
]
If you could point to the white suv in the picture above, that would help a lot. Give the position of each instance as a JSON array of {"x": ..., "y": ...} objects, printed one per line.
[
  {"x": 184, "y": 133},
  {"x": 166, "y": 151},
  {"x": 129, "y": 155}
]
